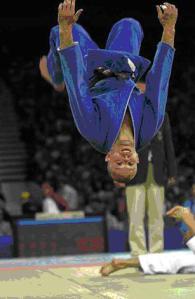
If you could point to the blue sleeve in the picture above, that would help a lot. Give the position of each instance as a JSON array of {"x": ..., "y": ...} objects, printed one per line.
[
  {"x": 157, "y": 83},
  {"x": 53, "y": 59},
  {"x": 76, "y": 80},
  {"x": 182, "y": 226},
  {"x": 187, "y": 203}
]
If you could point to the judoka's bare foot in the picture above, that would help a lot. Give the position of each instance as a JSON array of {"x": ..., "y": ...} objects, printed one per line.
[
  {"x": 44, "y": 70},
  {"x": 45, "y": 74},
  {"x": 107, "y": 269},
  {"x": 113, "y": 266}
]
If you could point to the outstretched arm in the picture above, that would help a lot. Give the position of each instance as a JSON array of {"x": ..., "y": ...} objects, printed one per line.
[
  {"x": 74, "y": 71},
  {"x": 168, "y": 17},
  {"x": 184, "y": 214},
  {"x": 157, "y": 79}
]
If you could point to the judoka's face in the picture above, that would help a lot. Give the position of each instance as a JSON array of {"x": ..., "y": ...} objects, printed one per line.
[{"x": 122, "y": 162}]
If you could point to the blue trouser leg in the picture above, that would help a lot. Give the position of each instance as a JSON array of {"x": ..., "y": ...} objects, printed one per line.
[
  {"x": 125, "y": 35},
  {"x": 53, "y": 61}
]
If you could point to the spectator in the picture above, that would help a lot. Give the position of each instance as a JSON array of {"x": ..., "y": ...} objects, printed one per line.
[
  {"x": 53, "y": 203},
  {"x": 71, "y": 196},
  {"x": 29, "y": 206}
]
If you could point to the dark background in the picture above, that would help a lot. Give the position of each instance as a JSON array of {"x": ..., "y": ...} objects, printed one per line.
[{"x": 28, "y": 24}]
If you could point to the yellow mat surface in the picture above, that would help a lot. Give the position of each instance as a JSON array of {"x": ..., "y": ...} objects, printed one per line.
[{"x": 75, "y": 282}]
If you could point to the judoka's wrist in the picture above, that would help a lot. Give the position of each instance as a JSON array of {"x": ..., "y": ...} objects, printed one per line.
[
  {"x": 188, "y": 235},
  {"x": 169, "y": 28},
  {"x": 65, "y": 29},
  {"x": 66, "y": 39},
  {"x": 168, "y": 35}
]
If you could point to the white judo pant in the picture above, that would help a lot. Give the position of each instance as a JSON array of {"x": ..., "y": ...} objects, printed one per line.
[{"x": 169, "y": 262}]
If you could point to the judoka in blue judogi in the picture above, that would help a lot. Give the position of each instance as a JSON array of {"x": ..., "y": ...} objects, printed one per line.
[{"x": 109, "y": 111}]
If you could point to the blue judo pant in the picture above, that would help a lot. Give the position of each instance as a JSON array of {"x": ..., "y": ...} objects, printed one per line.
[{"x": 125, "y": 35}]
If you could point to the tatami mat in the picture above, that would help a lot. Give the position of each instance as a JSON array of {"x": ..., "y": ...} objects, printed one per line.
[{"x": 75, "y": 277}]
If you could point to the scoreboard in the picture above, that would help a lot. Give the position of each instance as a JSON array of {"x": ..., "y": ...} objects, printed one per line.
[{"x": 60, "y": 237}]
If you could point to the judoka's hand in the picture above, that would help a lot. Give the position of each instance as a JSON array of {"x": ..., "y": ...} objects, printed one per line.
[
  {"x": 184, "y": 214},
  {"x": 66, "y": 13},
  {"x": 180, "y": 213},
  {"x": 168, "y": 15},
  {"x": 66, "y": 18}
]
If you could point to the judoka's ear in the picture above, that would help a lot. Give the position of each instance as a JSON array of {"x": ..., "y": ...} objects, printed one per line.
[{"x": 107, "y": 157}]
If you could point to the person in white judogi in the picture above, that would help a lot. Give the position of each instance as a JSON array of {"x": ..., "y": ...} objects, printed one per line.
[{"x": 163, "y": 263}]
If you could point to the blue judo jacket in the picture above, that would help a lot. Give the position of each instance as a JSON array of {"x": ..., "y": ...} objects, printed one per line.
[{"x": 98, "y": 112}]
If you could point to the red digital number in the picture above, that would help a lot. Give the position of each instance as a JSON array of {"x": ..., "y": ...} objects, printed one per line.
[{"x": 90, "y": 244}]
